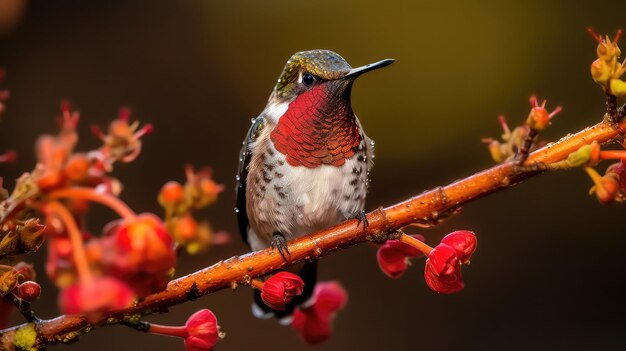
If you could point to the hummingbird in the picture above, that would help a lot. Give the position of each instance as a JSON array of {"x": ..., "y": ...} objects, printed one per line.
[{"x": 305, "y": 162}]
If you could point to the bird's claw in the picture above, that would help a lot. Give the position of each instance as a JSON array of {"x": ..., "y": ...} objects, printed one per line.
[
  {"x": 280, "y": 243},
  {"x": 361, "y": 217}
]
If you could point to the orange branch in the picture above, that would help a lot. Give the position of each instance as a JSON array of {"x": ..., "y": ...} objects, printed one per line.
[{"x": 382, "y": 224}]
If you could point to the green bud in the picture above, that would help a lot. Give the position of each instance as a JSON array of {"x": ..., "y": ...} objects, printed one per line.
[{"x": 579, "y": 157}]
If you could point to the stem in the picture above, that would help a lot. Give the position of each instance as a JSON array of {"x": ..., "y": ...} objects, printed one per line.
[
  {"x": 108, "y": 200},
  {"x": 76, "y": 238},
  {"x": 420, "y": 245},
  {"x": 382, "y": 223},
  {"x": 23, "y": 307},
  {"x": 257, "y": 284},
  {"x": 522, "y": 153},
  {"x": 180, "y": 332},
  {"x": 613, "y": 154},
  {"x": 594, "y": 175},
  {"x": 611, "y": 107}
]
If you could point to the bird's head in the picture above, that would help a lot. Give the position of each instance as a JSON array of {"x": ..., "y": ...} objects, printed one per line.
[{"x": 322, "y": 74}]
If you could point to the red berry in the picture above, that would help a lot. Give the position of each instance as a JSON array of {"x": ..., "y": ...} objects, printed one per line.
[
  {"x": 171, "y": 193},
  {"x": 29, "y": 291}
]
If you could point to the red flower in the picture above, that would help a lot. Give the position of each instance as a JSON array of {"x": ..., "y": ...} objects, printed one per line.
[
  {"x": 464, "y": 242},
  {"x": 145, "y": 239},
  {"x": 539, "y": 118},
  {"x": 140, "y": 252},
  {"x": 200, "y": 189},
  {"x": 314, "y": 322},
  {"x": 60, "y": 262},
  {"x": 393, "y": 256},
  {"x": 101, "y": 294},
  {"x": 77, "y": 168},
  {"x": 202, "y": 331},
  {"x": 123, "y": 141},
  {"x": 443, "y": 270},
  {"x": 608, "y": 188},
  {"x": 280, "y": 288},
  {"x": 619, "y": 169},
  {"x": 8, "y": 157},
  {"x": 185, "y": 229},
  {"x": 171, "y": 193},
  {"x": 443, "y": 266}
]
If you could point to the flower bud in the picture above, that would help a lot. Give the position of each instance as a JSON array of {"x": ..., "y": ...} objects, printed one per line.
[
  {"x": 200, "y": 188},
  {"x": 203, "y": 331},
  {"x": 50, "y": 180},
  {"x": 495, "y": 150},
  {"x": 608, "y": 189},
  {"x": 314, "y": 323},
  {"x": 139, "y": 252},
  {"x": 280, "y": 288},
  {"x": 60, "y": 261},
  {"x": 171, "y": 194},
  {"x": 185, "y": 229},
  {"x": 393, "y": 256},
  {"x": 464, "y": 242},
  {"x": 443, "y": 270},
  {"x": 29, "y": 291},
  {"x": 77, "y": 168},
  {"x": 539, "y": 118},
  {"x": 123, "y": 141},
  {"x": 25, "y": 270},
  {"x": 600, "y": 72},
  {"x": 606, "y": 70},
  {"x": 619, "y": 168}
]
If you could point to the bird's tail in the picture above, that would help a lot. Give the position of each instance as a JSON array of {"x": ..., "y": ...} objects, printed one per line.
[{"x": 308, "y": 273}]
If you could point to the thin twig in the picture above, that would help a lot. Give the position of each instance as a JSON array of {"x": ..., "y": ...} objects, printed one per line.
[
  {"x": 524, "y": 151},
  {"x": 23, "y": 307},
  {"x": 611, "y": 108}
]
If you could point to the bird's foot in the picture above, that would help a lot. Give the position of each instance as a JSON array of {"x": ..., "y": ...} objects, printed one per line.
[
  {"x": 361, "y": 217},
  {"x": 280, "y": 243}
]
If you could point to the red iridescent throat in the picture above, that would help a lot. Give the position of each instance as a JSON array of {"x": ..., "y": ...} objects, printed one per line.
[{"x": 319, "y": 128}]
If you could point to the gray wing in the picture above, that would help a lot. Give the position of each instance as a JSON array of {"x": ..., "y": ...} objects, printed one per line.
[
  {"x": 370, "y": 149},
  {"x": 242, "y": 174}
]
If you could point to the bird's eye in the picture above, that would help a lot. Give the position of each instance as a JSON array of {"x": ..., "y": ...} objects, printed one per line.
[{"x": 308, "y": 79}]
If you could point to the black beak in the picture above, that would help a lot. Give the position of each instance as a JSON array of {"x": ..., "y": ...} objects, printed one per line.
[{"x": 355, "y": 72}]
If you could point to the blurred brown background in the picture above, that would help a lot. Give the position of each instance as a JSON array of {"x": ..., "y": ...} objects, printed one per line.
[{"x": 549, "y": 272}]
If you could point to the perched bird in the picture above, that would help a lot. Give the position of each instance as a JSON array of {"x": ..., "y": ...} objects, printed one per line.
[{"x": 305, "y": 161}]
